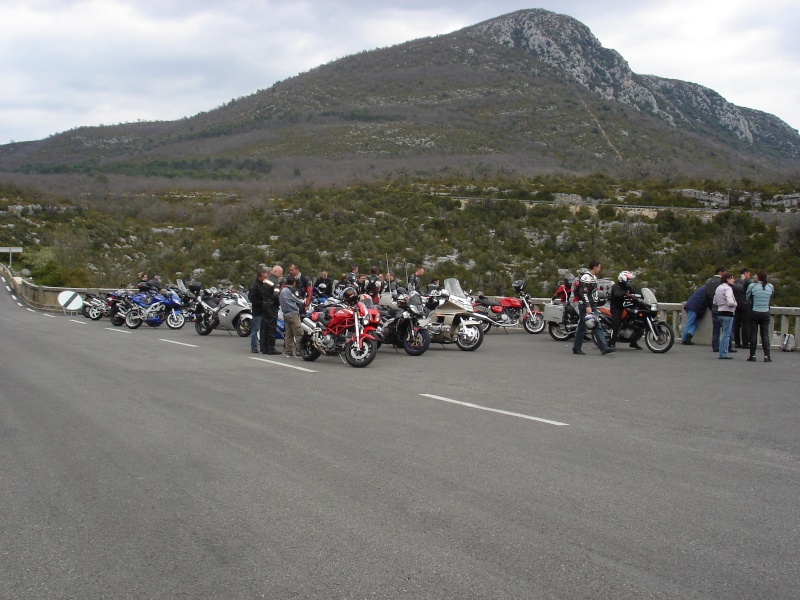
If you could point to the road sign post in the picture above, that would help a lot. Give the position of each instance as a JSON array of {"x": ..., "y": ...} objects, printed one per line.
[{"x": 11, "y": 250}]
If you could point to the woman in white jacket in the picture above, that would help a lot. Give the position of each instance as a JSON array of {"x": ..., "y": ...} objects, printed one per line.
[{"x": 725, "y": 303}]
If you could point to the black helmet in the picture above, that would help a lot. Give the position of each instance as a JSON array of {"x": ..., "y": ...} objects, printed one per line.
[
  {"x": 518, "y": 285},
  {"x": 599, "y": 296},
  {"x": 350, "y": 296}
]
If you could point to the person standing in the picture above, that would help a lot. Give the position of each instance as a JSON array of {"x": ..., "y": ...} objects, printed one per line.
[
  {"x": 327, "y": 282},
  {"x": 302, "y": 283},
  {"x": 761, "y": 294},
  {"x": 587, "y": 286},
  {"x": 741, "y": 319},
  {"x": 725, "y": 304},
  {"x": 711, "y": 286},
  {"x": 695, "y": 309},
  {"x": 414, "y": 283},
  {"x": 270, "y": 307},
  {"x": 389, "y": 284},
  {"x": 255, "y": 294},
  {"x": 291, "y": 303}
]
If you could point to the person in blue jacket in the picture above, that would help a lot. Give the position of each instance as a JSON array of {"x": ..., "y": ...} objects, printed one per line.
[{"x": 695, "y": 309}]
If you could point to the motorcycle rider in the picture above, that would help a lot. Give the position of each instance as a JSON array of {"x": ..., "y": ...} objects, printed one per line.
[
  {"x": 414, "y": 283},
  {"x": 621, "y": 290},
  {"x": 255, "y": 294},
  {"x": 270, "y": 307},
  {"x": 323, "y": 279},
  {"x": 587, "y": 285}
]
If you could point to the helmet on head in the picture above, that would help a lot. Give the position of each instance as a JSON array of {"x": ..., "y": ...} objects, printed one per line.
[
  {"x": 350, "y": 296},
  {"x": 591, "y": 321},
  {"x": 625, "y": 276},
  {"x": 569, "y": 279}
]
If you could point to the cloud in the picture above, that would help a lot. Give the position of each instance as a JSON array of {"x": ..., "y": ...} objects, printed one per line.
[{"x": 69, "y": 63}]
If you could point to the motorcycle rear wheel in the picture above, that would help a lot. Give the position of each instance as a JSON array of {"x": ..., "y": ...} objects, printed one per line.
[
  {"x": 307, "y": 350},
  {"x": 558, "y": 332},
  {"x": 360, "y": 357},
  {"x": 469, "y": 337},
  {"x": 117, "y": 320},
  {"x": 175, "y": 320},
  {"x": 417, "y": 342},
  {"x": 664, "y": 341},
  {"x": 534, "y": 323},
  {"x": 133, "y": 320}
]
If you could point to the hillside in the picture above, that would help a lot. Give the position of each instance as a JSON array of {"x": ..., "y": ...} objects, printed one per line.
[{"x": 527, "y": 93}]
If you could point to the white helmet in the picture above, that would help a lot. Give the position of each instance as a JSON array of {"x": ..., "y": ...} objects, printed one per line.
[
  {"x": 591, "y": 321},
  {"x": 625, "y": 276}
]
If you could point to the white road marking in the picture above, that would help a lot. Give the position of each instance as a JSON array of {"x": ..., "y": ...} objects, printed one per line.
[
  {"x": 20, "y": 304},
  {"x": 30, "y": 309},
  {"x": 116, "y": 329},
  {"x": 14, "y": 297},
  {"x": 51, "y": 316},
  {"x": 283, "y": 364},
  {"x": 3, "y": 278},
  {"x": 8, "y": 288},
  {"x": 495, "y": 410},
  {"x": 179, "y": 343},
  {"x": 78, "y": 322}
]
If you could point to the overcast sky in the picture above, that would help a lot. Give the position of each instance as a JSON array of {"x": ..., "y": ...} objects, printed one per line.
[{"x": 69, "y": 63}]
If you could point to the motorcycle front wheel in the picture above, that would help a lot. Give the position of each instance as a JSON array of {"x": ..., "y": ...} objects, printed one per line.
[
  {"x": 94, "y": 313},
  {"x": 307, "y": 350},
  {"x": 133, "y": 320},
  {"x": 117, "y": 320},
  {"x": 417, "y": 342},
  {"x": 175, "y": 320},
  {"x": 664, "y": 341},
  {"x": 243, "y": 326},
  {"x": 533, "y": 323},
  {"x": 360, "y": 357},
  {"x": 469, "y": 337},
  {"x": 201, "y": 327},
  {"x": 558, "y": 332}
]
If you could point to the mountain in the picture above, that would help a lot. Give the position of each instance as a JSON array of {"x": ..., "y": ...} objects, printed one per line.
[{"x": 526, "y": 93}]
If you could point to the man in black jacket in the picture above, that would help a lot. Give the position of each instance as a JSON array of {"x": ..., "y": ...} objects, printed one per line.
[
  {"x": 270, "y": 308},
  {"x": 255, "y": 294},
  {"x": 324, "y": 280},
  {"x": 619, "y": 291},
  {"x": 741, "y": 318},
  {"x": 587, "y": 286}
]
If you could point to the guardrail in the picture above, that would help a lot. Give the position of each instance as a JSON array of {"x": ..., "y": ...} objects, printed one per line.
[{"x": 785, "y": 319}]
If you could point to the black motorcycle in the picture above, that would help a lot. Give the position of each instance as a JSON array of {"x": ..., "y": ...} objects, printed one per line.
[
  {"x": 640, "y": 318},
  {"x": 400, "y": 325}
]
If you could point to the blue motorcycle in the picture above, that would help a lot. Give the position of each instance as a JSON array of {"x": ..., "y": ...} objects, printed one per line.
[{"x": 154, "y": 308}]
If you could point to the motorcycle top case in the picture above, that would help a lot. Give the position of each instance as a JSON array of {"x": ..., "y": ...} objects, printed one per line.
[{"x": 553, "y": 312}]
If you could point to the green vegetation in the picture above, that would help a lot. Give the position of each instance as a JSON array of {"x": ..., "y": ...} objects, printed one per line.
[{"x": 485, "y": 235}]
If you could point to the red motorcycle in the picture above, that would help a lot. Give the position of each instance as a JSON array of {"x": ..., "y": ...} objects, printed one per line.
[
  {"x": 507, "y": 311},
  {"x": 341, "y": 330}
]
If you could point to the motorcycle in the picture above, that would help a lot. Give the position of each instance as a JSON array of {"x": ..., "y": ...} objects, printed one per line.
[
  {"x": 154, "y": 309},
  {"x": 227, "y": 310},
  {"x": 451, "y": 318},
  {"x": 559, "y": 326},
  {"x": 640, "y": 317},
  {"x": 341, "y": 329},
  {"x": 400, "y": 323},
  {"x": 93, "y": 306},
  {"x": 507, "y": 311}
]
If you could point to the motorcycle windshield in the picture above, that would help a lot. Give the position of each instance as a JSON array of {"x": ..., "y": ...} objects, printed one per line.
[
  {"x": 453, "y": 287},
  {"x": 648, "y": 296}
]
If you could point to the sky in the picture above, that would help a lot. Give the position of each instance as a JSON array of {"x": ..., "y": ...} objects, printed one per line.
[{"x": 70, "y": 63}]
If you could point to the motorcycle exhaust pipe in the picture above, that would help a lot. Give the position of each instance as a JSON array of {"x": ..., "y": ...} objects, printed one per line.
[{"x": 308, "y": 325}]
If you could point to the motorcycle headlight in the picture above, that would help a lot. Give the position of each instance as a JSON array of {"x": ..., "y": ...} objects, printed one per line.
[
  {"x": 365, "y": 320},
  {"x": 654, "y": 307}
]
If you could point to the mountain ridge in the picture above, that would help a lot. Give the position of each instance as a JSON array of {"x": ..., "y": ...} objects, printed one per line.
[{"x": 531, "y": 91}]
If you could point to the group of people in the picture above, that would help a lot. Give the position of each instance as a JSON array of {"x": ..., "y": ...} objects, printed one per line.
[
  {"x": 271, "y": 293},
  {"x": 739, "y": 312}
]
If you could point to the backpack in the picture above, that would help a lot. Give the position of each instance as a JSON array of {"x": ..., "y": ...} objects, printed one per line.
[{"x": 787, "y": 342}]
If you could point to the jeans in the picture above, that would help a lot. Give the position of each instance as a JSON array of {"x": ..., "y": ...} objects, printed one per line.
[
  {"x": 759, "y": 320},
  {"x": 726, "y": 326},
  {"x": 690, "y": 327},
  {"x": 715, "y": 333},
  {"x": 255, "y": 328},
  {"x": 597, "y": 333}
]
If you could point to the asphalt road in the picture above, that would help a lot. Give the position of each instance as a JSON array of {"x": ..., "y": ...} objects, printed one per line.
[{"x": 161, "y": 464}]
